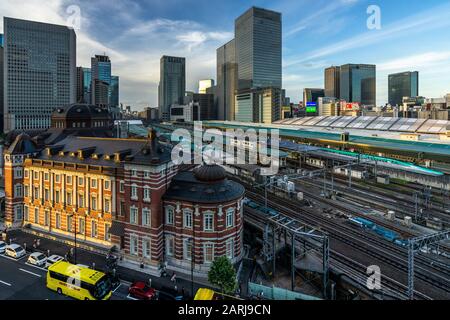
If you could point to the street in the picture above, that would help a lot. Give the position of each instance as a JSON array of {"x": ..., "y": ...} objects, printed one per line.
[{"x": 22, "y": 281}]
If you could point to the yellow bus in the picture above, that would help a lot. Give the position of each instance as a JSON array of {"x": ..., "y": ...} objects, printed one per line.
[
  {"x": 78, "y": 282},
  {"x": 208, "y": 294}
]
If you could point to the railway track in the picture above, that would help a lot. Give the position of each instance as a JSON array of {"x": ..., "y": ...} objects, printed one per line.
[
  {"x": 363, "y": 242},
  {"x": 343, "y": 208},
  {"x": 356, "y": 272}
]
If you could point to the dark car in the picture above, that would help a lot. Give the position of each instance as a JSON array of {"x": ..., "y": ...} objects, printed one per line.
[{"x": 140, "y": 290}]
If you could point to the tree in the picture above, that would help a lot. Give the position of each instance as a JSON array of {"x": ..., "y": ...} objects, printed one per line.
[{"x": 223, "y": 275}]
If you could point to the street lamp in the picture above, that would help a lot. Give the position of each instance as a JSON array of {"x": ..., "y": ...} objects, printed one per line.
[{"x": 75, "y": 237}]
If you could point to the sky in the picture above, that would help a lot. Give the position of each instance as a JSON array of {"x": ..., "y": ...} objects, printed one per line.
[{"x": 413, "y": 36}]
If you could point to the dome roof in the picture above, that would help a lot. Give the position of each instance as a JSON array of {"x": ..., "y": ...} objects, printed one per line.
[{"x": 210, "y": 173}]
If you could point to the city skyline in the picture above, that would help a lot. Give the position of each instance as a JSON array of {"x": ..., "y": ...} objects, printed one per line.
[{"x": 335, "y": 34}]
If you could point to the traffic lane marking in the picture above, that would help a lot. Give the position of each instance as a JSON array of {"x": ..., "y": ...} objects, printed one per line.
[
  {"x": 117, "y": 288},
  {"x": 29, "y": 272},
  {"x": 13, "y": 259},
  {"x": 131, "y": 298},
  {"x": 37, "y": 267},
  {"x": 6, "y": 283}
]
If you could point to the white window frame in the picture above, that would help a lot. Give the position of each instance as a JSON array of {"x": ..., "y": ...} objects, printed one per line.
[
  {"x": 147, "y": 248},
  {"x": 169, "y": 212},
  {"x": 94, "y": 223},
  {"x": 134, "y": 192},
  {"x": 188, "y": 216},
  {"x": 134, "y": 244},
  {"x": 206, "y": 216},
  {"x": 229, "y": 215},
  {"x": 187, "y": 252},
  {"x": 229, "y": 245},
  {"x": 122, "y": 186},
  {"x": 146, "y": 217},
  {"x": 206, "y": 245},
  {"x": 147, "y": 197},
  {"x": 170, "y": 249},
  {"x": 134, "y": 215}
]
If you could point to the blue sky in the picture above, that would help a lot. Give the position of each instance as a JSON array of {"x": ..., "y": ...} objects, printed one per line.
[{"x": 414, "y": 35}]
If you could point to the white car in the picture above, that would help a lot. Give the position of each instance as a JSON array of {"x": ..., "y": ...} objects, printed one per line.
[
  {"x": 2, "y": 247},
  {"x": 15, "y": 251},
  {"x": 52, "y": 259},
  {"x": 37, "y": 259}
]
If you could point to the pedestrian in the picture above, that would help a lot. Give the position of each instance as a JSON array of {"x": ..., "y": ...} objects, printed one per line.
[
  {"x": 150, "y": 282},
  {"x": 93, "y": 265},
  {"x": 174, "y": 278},
  {"x": 183, "y": 293}
]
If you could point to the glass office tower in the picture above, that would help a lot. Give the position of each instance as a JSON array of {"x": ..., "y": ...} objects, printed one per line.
[
  {"x": 40, "y": 72},
  {"x": 87, "y": 85},
  {"x": 258, "y": 48},
  {"x": 101, "y": 71},
  {"x": 172, "y": 85},
  {"x": 358, "y": 83},
  {"x": 404, "y": 84},
  {"x": 114, "y": 91},
  {"x": 227, "y": 78}
]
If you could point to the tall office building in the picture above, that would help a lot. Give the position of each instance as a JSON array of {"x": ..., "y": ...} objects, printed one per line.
[
  {"x": 1, "y": 83},
  {"x": 40, "y": 72},
  {"x": 100, "y": 70},
  {"x": 87, "y": 85},
  {"x": 80, "y": 85},
  {"x": 332, "y": 82},
  {"x": 114, "y": 87},
  {"x": 204, "y": 85},
  {"x": 227, "y": 78},
  {"x": 404, "y": 84},
  {"x": 358, "y": 83},
  {"x": 258, "y": 49},
  {"x": 260, "y": 105},
  {"x": 172, "y": 85}
]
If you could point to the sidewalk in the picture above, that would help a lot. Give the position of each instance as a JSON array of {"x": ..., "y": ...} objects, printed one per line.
[{"x": 89, "y": 258}]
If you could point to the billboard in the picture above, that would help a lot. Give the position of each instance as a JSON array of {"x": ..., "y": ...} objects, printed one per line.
[{"x": 311, "y": 107}]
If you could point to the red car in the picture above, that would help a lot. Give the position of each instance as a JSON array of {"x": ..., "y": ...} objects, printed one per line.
[{"x": 142, "y": 291}]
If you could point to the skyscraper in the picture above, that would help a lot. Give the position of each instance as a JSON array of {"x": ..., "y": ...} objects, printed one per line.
[
  {"x": 100, "y": 70},
  {"x": 227, "y": 78},
  {"x": 258, "y": 48},
  {"x": 404, "y": 84},
  {"x": 358, "y": 83},
  {"x": 332, "y": 82},
  {"x": 87, "y": 85},
  {"x": 204, "y": 85},
  {"x": 260, "y": 105},
  {"x": 114, "y": 86},
  {"x": 40, "y": 72},
  {"x": 172, "y": 85},
  {"x": 80, "y": 85}
]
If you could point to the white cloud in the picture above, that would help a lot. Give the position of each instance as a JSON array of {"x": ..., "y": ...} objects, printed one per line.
[
  {"x": 425, "y": 21},
  {"x": 423, "y": 60}
]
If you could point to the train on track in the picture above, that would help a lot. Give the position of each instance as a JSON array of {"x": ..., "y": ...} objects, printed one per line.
[
  {"x": 382, "y": 232},
  {"x": 255, "y": 206}
]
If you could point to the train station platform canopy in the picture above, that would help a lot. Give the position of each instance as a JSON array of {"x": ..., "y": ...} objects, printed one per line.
[{"x": 430, "y": 144}]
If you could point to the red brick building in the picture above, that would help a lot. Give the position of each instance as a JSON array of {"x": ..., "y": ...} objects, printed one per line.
[{"x": 122, "y": 193}]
